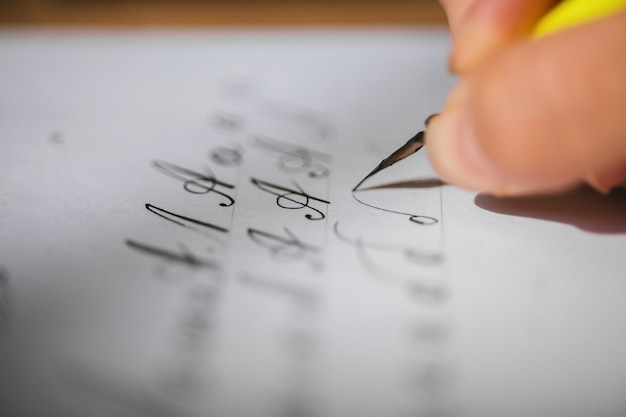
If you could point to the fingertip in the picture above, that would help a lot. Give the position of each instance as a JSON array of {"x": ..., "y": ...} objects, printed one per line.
[
  {"x": 482, "y": 159},
  {"x": 454, "y": 150}
]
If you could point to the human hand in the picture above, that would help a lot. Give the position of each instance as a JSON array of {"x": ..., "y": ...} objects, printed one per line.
[{"x": 531, "y": 116}]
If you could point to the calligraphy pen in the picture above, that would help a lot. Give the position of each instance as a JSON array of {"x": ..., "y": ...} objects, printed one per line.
[
  {"x": 413, "y": 145},
  {"x": 566, "y": 14}
]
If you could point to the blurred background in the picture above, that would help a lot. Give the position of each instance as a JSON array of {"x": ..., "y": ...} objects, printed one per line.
[{"x": 198, "y": 13}]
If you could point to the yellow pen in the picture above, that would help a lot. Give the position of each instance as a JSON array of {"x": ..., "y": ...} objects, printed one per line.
[
  {"x": 566, "y": 14},
  {"x": 569, "y": 13}
]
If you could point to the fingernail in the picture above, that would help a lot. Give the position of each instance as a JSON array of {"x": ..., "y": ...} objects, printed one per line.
[{"x": 430, "y": 118}]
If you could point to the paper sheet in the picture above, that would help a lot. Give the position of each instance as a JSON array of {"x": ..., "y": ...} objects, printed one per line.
[{"x": 178, "y": 238}]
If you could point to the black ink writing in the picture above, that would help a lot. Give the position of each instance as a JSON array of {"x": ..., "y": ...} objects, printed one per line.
[
  {"x": 182, "y": 220},
  {"x": 185, "y": 257},
  {"x": 195, "y": 182},
  {"x": 226, "y": 157},
  {"x": 295, "y": 159},
  {"x": 415, "y": 218},
  {"x": 291, "y": 199},
  {"x": 279, "y": 246},
  {"x": 418, "y": 256}
]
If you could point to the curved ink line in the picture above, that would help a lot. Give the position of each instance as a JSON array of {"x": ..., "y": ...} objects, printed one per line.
[
  {"x": 177, "y": 172},
  {"x": 226, "y": 157},
  {"x": 296, "y": 154},
  {"x": 411, "y": 253},
  {"x": 375, "y": 270},
  {"x": 294, "y": 162},
  {"x": 274, "y": 145},
  {"x": 267, "y": 187},
  {"x": 282, "y": 246},
  {"x": 158, "y": 211},
  {"x": 308, "y": 216},
  {"x": 264, "y": 185},
  {"x": 321, "y": 172},
  {"x": 295, "y": 159},
  {"x": 369, "y": 264},
  {"x": 206, "y": 190},
  {"x": 304, "y": 158},
  {"x": 412, "y": 217},
  {"x": 186, "y": 257},
  {"x": 302, "y": 205}
]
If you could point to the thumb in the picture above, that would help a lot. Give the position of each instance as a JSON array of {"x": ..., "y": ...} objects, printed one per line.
[{"x": 539, "y": 116}]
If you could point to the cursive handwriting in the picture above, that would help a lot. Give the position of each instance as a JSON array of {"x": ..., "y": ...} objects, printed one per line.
[
  {"x": 414, "y": 255},
  {"x": 291, "y": 199},
  {"x": 226, "y": 157},
  {"x": 182, "y": 221},
  {"x": 186, "y": 257},
  {"x": 295, "y": 159},
  {"x": 279, "y": 246},
  {"x": 208, "y": 230},
  {"x": 195, "y": 182},
  {"x": 415, "y": 218}
]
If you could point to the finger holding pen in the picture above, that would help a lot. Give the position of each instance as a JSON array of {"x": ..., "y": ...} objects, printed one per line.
[
  {"x": 481, "y": 27},
  {"x": 531, "y": 116}
]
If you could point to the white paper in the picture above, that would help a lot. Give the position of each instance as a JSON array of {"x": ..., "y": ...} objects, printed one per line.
[{"x": 178, "y": 238}]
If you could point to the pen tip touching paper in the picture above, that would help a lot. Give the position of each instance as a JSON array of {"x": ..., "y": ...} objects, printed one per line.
[
  {"x": 413, "y": 145},
  {"x": 410, "y": 147}
]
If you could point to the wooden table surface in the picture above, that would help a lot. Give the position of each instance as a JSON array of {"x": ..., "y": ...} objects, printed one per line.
[{"x": 199, "y": 13}]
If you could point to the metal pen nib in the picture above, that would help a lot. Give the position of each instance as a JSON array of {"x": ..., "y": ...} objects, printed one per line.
[{"x": 413, "y": 145}]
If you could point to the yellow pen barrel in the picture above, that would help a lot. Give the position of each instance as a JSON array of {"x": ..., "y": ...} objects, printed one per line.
[{"x": 570, "y": 13}]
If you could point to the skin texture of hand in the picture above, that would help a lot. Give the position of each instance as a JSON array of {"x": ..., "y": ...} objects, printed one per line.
[{"x": 531, "y": 116}]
